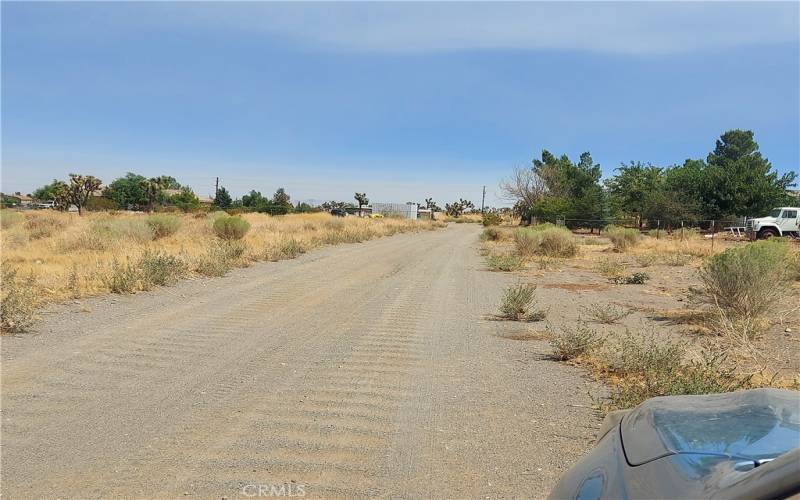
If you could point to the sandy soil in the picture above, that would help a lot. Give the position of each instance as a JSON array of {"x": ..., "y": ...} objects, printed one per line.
[{"x": 352, "y": 371}]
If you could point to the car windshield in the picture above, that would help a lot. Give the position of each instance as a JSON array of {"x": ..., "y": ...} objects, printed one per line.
[{"x": 775, "y": 213}]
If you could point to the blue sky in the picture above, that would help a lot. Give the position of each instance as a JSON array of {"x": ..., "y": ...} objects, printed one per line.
[{"x": 403, "y": 101}]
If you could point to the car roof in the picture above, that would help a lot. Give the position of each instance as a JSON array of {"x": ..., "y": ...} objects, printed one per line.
[{"x": 754, "y": 424}]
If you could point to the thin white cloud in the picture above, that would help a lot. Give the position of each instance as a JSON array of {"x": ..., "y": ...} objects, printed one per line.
[{"x": 612, "y": 27}]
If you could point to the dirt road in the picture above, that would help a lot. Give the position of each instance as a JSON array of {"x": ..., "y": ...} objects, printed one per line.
[{"x": 356, "y": 370}]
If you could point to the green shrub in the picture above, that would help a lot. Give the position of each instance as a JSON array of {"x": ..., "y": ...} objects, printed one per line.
[
  {"x": 518, "y": 304},
  {"x": 491, "y": 219},
  {"x": 623, "y": 238},
  {"x": 633, "y": 279},
  {"x": 551, "y": 242},
  {"x": 543, "y": 226},
  {"x": 122, "y": 278},
  {"x": 557, "y": 242},
  {"x": 571, "y": 342},
  {"x": 504, "y": 262},
  {"x": 163, "y": 225},
  {"x": 747, "y": 281},
  {"x": 159, "y": 269},
  {"x": 231, "y": 228},
  {"x": 18, "y": 301},
  {"x": 649, "y": 368}
]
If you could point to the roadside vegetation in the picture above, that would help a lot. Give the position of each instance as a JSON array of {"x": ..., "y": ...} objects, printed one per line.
[
  {"x": 519, "y": 304},
  {"x": 50, "y": 256}
]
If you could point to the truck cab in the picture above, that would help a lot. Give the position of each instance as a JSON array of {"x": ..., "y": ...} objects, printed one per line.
[{"x": 782, "y": 221}]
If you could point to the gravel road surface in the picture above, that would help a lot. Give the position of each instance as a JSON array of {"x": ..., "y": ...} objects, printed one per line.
[{"x": 353, "y": 371}]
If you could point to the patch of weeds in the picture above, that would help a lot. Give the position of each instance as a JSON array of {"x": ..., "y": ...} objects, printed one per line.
[
  {"x": 676, "y": 259},
  {"x": 645, "y": 259},
  {"x": 504, "y": 262},
  {"x": 571, "y": 342},
  {"x": 73, "y": 282},
  {"x": 159, "y": 269},
  {"x": 43, "y": 226},
  {"x": 163, "y": 225},
  {"x": 623, "y": 238},
  {"x": 122, "y": 278},
  {"x": 519, "y": 304},
  {"x": 610, "y": 268},
  {"x": 230, "y": 228},
  {"x": 633, "y": 279},
  {"x": 491, "y": 219},
  {"x": 221, "y": 258},
  {"x": 18, "y": 301},
  {"x": 551, "y": 242},
  {"x": 491, "y": 234},
  {"x": 606, "y": 313}
]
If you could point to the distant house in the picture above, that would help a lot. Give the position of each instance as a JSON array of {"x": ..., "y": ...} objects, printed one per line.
[
  {"x": 206, "y": 200},
  {"x": 795, "y": 193},
  {"x": 24, "y": 199}
]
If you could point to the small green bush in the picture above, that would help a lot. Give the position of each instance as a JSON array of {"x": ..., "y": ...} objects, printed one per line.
[
  {"x": 122, "y": 278},
  {"x": 747, "y": 281},
  {"x": 633, "y": 279},
  {"x": 623, "y": 238},
  {"x": 18, "y": 301},
  {"x": 518, "y": 304},
  {"x": 231, "y": 228},
  {"x": 163, "y": 225},
  {"x": 491, "y": 219},
  {"x": 571, "y": 342},
  {"x": 504, "y": 262},
  {"x": 551, "y": 241}
]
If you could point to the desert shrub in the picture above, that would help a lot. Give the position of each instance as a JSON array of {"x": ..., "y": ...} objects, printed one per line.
[
  {"x": 18, "y": 301},
  {"x": 159, "y": 268},
  {"x": 231, "y": 228},
  {"x": 43, "y": 226},
  {"x": 221, "y": 258},
  {"x": 610, "y": 268},
  {"x": 163, "y": 225},
  {"x": 645, "y": 259},
  {"x": 633, "y": 353},
  {"x": 10, "y": 218},
  {"x": 571, "y": 342},
  {"x": 518, "y": 304},
  {"x": 121, "y": 230},
  {"x": 491, "y": 219},
  {"x": 552, "y": 242},
  {"x": 623, "y": 238},
  {"x": 745, "y": 282},
  {"x": 606, "y": 313},
  {"x": 557, "y": 242},
  {"x": 285, "y": 248},
  {"x": 676, "y": 259},
  {"x": 491, "y": 234},
  {"x": 122, "y": 277},
  {"x": 504, "y": 262}
]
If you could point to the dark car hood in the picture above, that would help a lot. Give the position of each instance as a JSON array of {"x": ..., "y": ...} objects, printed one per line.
[{"x": 754, "y": 425}]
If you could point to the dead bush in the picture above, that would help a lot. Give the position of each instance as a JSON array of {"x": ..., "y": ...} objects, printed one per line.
[{"x": 17, "y": 302}]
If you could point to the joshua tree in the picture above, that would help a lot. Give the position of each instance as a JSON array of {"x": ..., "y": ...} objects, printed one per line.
[
  {"x": 362, "y": 199},
  {"x": 78, "y": 191}
]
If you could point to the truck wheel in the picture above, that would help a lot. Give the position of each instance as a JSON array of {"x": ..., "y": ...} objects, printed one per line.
[{"x": 767, "y": 233}]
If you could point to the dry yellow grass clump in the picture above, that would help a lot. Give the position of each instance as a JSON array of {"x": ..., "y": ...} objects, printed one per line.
[{"x": 66, "y": 256}]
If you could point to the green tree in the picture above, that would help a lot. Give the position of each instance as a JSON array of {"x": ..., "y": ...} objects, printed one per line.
[
  {"x": 186, "y": 200},
  {"x": 739, "y": 180},
  {"x": 223, "y": 198},
  {"x": 128, "y": 192},
  {"x": 281, "y": 203},
  {"x": 152, "y": 190},
  {"x": 48, "y": 191},
  {"x": 253, "y": 199},
  {"x": 577, "y": 182},
  {"x": 634, "y": 188}
]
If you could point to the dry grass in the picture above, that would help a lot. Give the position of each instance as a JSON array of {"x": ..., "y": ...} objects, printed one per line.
[{"x": 67, "y": 256}]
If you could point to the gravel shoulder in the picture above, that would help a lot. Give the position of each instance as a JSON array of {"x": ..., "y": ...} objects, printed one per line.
[{"x": 358, "y": 370}]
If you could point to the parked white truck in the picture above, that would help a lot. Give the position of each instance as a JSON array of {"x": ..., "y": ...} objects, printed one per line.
[{"x": 783, "y": 221}]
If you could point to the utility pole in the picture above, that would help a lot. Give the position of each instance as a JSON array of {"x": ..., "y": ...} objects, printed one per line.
[
  {"x": 483, "y": 199},
  {"x": 216, "y": 189}
]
